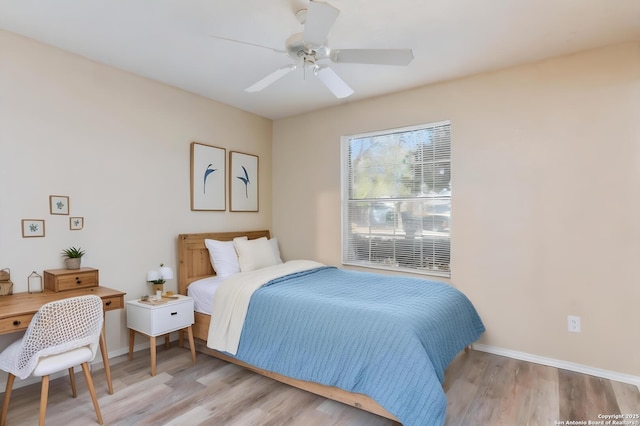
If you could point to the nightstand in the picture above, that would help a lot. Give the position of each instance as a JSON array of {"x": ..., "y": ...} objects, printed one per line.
[{"x": 155, "y": 320}]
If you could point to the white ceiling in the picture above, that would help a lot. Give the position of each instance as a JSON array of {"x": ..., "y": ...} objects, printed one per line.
[{"x": 169, "y": 40}]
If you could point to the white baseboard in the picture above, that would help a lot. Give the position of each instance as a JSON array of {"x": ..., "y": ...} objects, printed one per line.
[{"x": 565, "y": 365}]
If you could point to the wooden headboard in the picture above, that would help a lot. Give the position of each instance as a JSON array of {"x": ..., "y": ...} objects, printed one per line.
[{"x": 193, "y": 257}]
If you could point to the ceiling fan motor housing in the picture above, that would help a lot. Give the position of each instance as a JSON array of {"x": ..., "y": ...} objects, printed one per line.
[{"x": 297, "y": 48}]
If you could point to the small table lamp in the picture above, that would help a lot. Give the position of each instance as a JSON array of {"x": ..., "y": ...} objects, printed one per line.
[{"x": 159, "y": 277}]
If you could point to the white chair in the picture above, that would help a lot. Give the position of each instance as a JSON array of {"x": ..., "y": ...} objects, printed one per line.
[{"x": 61, "y": 335}]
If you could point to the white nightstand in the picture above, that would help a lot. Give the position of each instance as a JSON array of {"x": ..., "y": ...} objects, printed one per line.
[{"x": 157, "y": 320}]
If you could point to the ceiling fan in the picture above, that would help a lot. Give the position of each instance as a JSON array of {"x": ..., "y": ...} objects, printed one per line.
[{"x": 309, "y": 47}]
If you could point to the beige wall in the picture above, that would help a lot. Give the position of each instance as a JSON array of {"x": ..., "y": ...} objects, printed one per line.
[
  {"x": 119, "y": 146},
  {"x": 546, "y": 181}
]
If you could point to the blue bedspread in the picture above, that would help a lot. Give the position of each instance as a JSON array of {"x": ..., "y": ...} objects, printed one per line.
[{"x": 387, "y": 337}]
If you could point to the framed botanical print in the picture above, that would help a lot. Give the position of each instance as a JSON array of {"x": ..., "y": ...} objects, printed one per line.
[
  {"x": 243, "y": 182},
  {"x": 208, "y": 174},
  {"x": 32, "y": 228},
  {"x": 58, "y": 204},
  {"x": 76, "y": 223}
]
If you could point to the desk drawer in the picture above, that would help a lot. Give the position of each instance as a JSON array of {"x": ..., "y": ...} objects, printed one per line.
[
  {"x": 18, "y": 323},
  {"x": 112, "y": 303},
  {"x": 64, "y": 279}
]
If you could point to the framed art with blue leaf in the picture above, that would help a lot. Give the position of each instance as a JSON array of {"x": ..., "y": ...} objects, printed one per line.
[
  {"x": 59, "y": 204},
  {"x": 208, "y": 174},
  {"x": 76, "y": 223},
  {"x": 32, "y": 228},
  {"x": 243, "y": 182}
]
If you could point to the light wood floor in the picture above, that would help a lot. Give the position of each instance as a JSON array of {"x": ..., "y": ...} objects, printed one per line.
[{"x": 482, "y": 389}]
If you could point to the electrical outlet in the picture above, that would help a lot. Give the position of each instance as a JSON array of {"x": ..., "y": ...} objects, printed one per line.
[{"x": 573, "y": 324}]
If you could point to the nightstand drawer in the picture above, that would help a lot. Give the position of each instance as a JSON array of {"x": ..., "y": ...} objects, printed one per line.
[
  {"x": 155, "y": 320},
  {"x": 172, "y": 317}
]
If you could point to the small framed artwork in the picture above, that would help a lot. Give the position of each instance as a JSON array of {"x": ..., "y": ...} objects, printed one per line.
[
  {"x": 243, "y": 182},
  {"x": 32, "y": 228},
  {"x": 58, "y": 204},
  {"x": 208, "y": 174},
  {"x": 76, "y": 223}
]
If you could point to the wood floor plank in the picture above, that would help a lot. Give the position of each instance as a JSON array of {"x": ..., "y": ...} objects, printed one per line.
[
  {"x": 462, "y": 379},
  {"x": 521, "y": 402},
  {"x": 486, "y": 398},
  {"x": 545, "y": 397},
  {"x": 573, "y": 399},
  {"x": 506, "y": 391},
  {"x": 197, "y": 415},
  {"x": 286, "y": 405},
  {"x": 627, "y": 396},
  {"x": 481, "y": 388},
  {"x": 601, "y": 398}
]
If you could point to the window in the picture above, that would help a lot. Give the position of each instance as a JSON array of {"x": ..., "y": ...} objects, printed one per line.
[{"x": 396, "y": 202}]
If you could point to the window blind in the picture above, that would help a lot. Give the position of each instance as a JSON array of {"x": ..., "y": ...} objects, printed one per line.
[{"x": 396, "y": 199}]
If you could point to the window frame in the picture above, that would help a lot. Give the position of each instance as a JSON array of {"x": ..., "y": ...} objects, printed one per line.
[{"x": 346, "y": 202}]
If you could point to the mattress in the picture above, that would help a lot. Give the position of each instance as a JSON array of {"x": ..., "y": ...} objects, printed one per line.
[{"x": 203, "y": 292}]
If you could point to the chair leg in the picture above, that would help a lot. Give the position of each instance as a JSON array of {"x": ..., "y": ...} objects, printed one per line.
[
  {"x": 7, "y": 395},
  {"x": 72, "y": 379},
  {"x": 44, "y": 395},
  {"x": 92, "y": 390}
]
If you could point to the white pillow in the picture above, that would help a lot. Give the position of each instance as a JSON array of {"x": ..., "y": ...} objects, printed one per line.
[
  {"x": 276, "y": 250},
  {"x": 223, "y": 256},
  {"x": 254, "y": 254}
]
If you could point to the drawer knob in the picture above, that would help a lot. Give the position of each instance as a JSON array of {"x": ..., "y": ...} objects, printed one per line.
[
  {"x": 108, "y": 303},
  {"x": 174, "y": 313},
  {"x": 16, "y": 322},
  {"x": 78, "y": 280}
]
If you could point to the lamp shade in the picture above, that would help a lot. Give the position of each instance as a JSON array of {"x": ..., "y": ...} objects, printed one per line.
[
  {"x": 166, "y": 273},
  {"x": 153, "y": 276}
]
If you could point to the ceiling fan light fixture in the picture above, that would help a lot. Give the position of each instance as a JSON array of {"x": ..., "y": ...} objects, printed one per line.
[{"x": 309, "y": 60}]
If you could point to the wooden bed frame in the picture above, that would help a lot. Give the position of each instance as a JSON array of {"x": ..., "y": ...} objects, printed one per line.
[{"x": 194, "y": 264}]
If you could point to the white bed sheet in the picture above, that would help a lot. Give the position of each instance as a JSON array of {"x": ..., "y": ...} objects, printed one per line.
[{"x": 202, "y": 292}]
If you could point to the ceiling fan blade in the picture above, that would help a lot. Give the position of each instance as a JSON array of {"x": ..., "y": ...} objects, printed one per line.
[
  {"x": 373, "y": 56},
  {"x": 247, "y": 43},
  {"x": 333, "y": 82},
  {"x": 318, "y": 22},
  {"x": 270, "y": 79}
]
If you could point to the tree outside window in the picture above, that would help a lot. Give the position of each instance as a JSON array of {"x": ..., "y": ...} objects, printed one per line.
[{"x": 397, "y": 199}]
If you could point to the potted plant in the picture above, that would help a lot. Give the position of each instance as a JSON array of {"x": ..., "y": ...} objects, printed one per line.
[{"x": 73, "y": 257}]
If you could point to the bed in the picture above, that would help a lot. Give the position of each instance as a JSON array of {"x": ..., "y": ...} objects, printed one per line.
[{"x": 406, "y": 388}]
